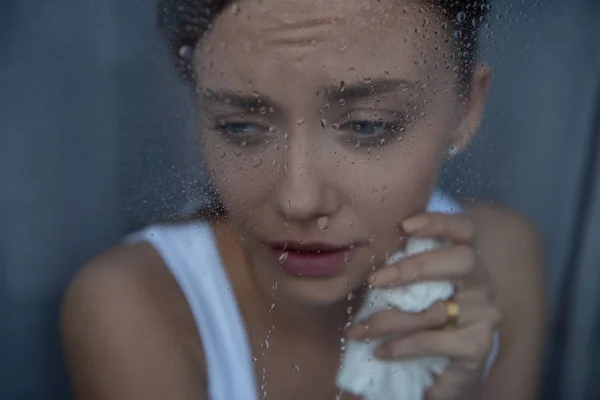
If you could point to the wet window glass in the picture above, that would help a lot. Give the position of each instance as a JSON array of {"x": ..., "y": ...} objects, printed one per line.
[{"x": 256, "y": 199}]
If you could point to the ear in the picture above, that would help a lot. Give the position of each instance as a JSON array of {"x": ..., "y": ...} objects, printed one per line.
[{"x": 473, "y": 106}]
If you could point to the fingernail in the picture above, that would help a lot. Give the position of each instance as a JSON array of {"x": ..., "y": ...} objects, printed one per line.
[
  {"x": 356, "y": 332},
  {"x": 414, "y": 224}
]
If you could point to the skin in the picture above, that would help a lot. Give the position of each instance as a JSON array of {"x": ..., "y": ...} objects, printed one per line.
[{"x": 301, "y": 155}]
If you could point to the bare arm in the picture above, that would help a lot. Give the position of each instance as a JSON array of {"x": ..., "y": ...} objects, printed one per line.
[
  {"x": 116, "y": 341},
  {"x": 511, "y": 249}
]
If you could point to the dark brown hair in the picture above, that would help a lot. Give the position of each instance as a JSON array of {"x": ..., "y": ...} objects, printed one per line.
[{"x": 183, "y": 22}]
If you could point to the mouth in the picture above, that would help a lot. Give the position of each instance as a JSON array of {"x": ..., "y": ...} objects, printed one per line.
[
  {"x": 316, "y": 260},
  {"x": 310, "y": 248}
]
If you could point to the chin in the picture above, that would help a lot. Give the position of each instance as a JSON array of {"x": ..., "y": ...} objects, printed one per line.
[{"x": 319, "y": 292}]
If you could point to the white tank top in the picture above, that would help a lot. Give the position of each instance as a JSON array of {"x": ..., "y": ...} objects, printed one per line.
[{"x": 190, "y": 252}]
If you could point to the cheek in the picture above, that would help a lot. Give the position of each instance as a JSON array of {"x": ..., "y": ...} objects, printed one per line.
[
  {"x": 243, "y": 177},
  {"x": 397, "y": 185}
]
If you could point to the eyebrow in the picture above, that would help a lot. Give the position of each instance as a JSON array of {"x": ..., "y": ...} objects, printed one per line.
[
  {"x": 367, "y": 88},
  {"x": 370, "y": 87},
  {"x": 238, "y": 100}
]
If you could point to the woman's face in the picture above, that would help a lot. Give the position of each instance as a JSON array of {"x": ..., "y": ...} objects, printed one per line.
[{"x": 324, "y": 125}]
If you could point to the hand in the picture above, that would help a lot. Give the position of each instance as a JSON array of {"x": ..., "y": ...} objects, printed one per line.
[{"x": 468, "y": 344}]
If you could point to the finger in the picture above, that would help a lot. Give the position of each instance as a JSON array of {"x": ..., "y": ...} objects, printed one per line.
[
  {"x": 398, "y": 323},
  {"x": 458, "y": 228},
  {"x": 470, "y": 344},
  {"x": 447, "y": 263},
  {"x": 455, "y": 382}
]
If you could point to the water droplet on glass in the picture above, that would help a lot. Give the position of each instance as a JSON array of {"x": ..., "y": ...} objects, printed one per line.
[
  {"x": 342, "y": 86},
  {"x": 349, "y": 310},
  {"x": 255, "y": 359},
  {"x": 323, "y": 123},
  {"x": 335, "y": 126},
  {"x": 282, "y": 257},
  {"x": 296, "y": 368},
  {"x": 458, "y": 34},
  {"x": 301, "y": 121},
  {"x": 461, "y": 16},
  {"x": 275, "y": 286},
  {"x": 271, "y": 307},
  {"x": 286, "y": 136},
  {"x": 185, "y": 52},
  {"x": 350, "y": 296},
  {"x": 323, "y": 223},
  {"x": 342, "y": 102},
  {"x": 367, "y": 79},
  {"x": 235, "y": 8}
]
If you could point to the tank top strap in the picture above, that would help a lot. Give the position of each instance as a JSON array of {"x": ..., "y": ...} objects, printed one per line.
[{"x": 190, "y": 252}]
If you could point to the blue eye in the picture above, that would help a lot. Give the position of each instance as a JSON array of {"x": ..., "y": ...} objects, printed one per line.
[
  {"x": 372, "y": 128},
  {"x": 238, "y": 128}
]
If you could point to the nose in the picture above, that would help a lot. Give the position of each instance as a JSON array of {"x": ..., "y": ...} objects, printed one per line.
[{"x": 305, "y": 192}]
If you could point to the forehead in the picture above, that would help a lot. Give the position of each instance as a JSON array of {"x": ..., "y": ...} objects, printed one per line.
[{"x": 295, "y": 42}]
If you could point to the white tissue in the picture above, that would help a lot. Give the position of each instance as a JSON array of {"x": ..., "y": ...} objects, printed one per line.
[{"x": 361, "y": 373}]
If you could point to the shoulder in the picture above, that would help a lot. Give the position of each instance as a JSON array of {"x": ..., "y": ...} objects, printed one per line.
[
  {"x": 509, "y": 243},
  {"x": 510, "y": 248},
  {"x": 133, "y": 277},
  {"x": 121, "y": 313}
]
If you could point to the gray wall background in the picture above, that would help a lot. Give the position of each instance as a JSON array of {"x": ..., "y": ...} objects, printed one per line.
[{"x": 97, "y": 136}]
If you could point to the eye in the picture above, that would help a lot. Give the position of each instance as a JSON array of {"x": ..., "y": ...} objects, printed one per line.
[
  {"x": 366, "y": 129},
  {"x": 243, "y": 133},
  {"x": 237, "y": 129}
]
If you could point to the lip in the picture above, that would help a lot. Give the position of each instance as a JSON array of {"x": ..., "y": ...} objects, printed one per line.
[{"x": 311, "y": 260}]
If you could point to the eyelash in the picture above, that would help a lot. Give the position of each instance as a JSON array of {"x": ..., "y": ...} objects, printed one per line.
[{"x": 243, "y": 137}]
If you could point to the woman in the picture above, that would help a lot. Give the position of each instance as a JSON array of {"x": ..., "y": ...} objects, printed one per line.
[{"x": 324, "y": 126}]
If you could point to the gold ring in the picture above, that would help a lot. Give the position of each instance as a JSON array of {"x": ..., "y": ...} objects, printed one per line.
[{"x": 452, "y": 314}]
